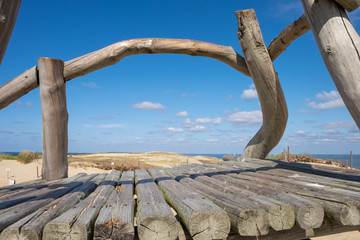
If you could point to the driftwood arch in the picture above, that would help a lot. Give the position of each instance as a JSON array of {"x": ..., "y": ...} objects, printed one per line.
[{"x": 52, "y": 74}]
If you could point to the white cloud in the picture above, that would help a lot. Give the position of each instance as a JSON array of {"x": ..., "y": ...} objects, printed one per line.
[
  {"x": 114, "y": 125},
  {"x": 172, "y": 130},
  {"x": 330, "y": 100},
  {"x": 148, "y": 106},
  {"x": 188, "y": 123},
  {"x": 340, "y": 124},
  {"x": 331, "y": 131},
  {"x": 182, "y": 114},
  {"x": 251, "y": 117},
  {"x": 90, "y": 84},
  {"x": 208, "y": 120},
  {"x": 213, "y": 140},
  {"x": 197, "y": 128},
  {"x": 249, "y": 94}
]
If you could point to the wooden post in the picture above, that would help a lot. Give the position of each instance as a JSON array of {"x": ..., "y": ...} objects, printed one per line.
[
  {"x": 54, "y": 118},
  {"x": 8, "y": 13},
  {"x": 339, "y": 45},
  {"x": 271, "y": 96},
  {"x": 351, "y": 159},
  {"x": 288, "y": 152}
]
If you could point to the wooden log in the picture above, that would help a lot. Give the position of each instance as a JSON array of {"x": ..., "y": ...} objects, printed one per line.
[
  {"x": 18, "y": 87},
  {"x": 309, "y": 214},
  {"x": 31, "y": 226},
  {"x": 271, "y": 96},
  {"x": 8, "y": 11},
  {"x": 327, "y": 228},
  {"x": 12, "y": 214},
  {"x": 154, "y": 217},
  {"x": 116, "y": 218},
  {"x": 54, "y": 119},
  {"x": 30, "y": 194},
  {"x": 339, "y": 45},
  {"x": 20, "y": 186},
  {"x": 281, "y": 215},
  {"x": 77, "y": 222},
  {"x": 202, "y": 218},
  {"x": 343, "y": 209},
  {"x": 349, "y": 5},
  {"x": 287, "y": 36},
  {"x": 246, "y": 219}
]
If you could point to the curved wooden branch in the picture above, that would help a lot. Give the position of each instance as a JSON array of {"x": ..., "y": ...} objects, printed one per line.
[
  {"x": 112, "y": 54},
  {"x": 8, "y": 13},
  {"x": 267, "y": 85},
  {"x": 287, "y": 36},
  {"x": 115, "y": 52}
]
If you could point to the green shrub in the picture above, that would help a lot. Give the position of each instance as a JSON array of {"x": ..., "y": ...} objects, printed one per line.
[
  {"x": 28, "y": 156},
  {"x": 6, "y": 156}
]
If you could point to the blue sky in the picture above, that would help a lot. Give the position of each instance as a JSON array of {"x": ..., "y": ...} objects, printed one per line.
[{"x": 168, "y": 102}]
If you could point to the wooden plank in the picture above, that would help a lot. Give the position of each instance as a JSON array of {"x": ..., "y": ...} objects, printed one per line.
[
  {"x": 309, "y": 214},
  {"x": 339, "y": 45},
  {"x": 31, "y": 226},
  {"x": 12, "y": 214},
  {"x": 54, "y": 119},
  {"x": 154, "y": 217},
  {"x": 10, "y": 200},
  {"x": 349, "y": 5},
  {"x": 287, "y": 36},
  {"x": 344, "y": 210},
  {"x": 246, "y": 219},
  {"x": 281, "y": 215},
  {"x": 77, "y": 222},
  {"x": 8, "y": 11},
  {"x": 116, "y": 218},
  {"x": 202, "y": 218},
  {"x": 338, "y": 173},
  {"x": 20, "y": 186},
  {"x": 271, "y": 96}
]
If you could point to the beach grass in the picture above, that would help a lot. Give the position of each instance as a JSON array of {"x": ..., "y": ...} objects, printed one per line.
[{"x": 24, "y": 157}]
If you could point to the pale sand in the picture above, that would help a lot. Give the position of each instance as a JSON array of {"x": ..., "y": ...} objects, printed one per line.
[{"x": 27, "y": 172}]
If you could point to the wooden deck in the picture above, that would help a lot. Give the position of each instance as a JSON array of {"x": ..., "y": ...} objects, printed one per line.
[{"x": 253, "y": 199}]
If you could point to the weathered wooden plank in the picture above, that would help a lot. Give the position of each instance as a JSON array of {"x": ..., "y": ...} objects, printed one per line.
[
  {"x": 77, "y": 222},
  {"x": 20, "y": 186},
  {"x": 12, "y": 214},
  {"x": 246, "y": 219},
  {"x": 116, "y": 218},
  {"x": 29, "y": 194},
  {"x": 8, "y": 11},
  {"x": 281, "y": 215},
  {"x": 309, "y": 214},
  {"x": 54, "y": 119},
  {"x": 338, "y": 173},
  {"x": 154, "y": 217},
  {"x": 287, "y": 36},
  {"x": 339, "y": 45},
  {"x": 271, "y": 96},
  {"x": 341, "y": 208},
  {"x": 349, "y": 5},
  {"x": 31, "y": 226},
  {"x": 202, "y": 218}
]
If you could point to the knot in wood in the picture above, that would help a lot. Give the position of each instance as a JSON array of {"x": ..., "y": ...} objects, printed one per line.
[{"x": 328, "y": 50}]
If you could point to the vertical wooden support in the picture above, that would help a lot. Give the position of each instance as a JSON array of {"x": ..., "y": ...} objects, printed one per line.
[
  {"x": 351, "y": 159},
  {"x": 267, "y": 85},
  {"x": 339, "y": 45},
  {"x": 54, "y": 118},
  {"x": 8, "y": 13}
]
